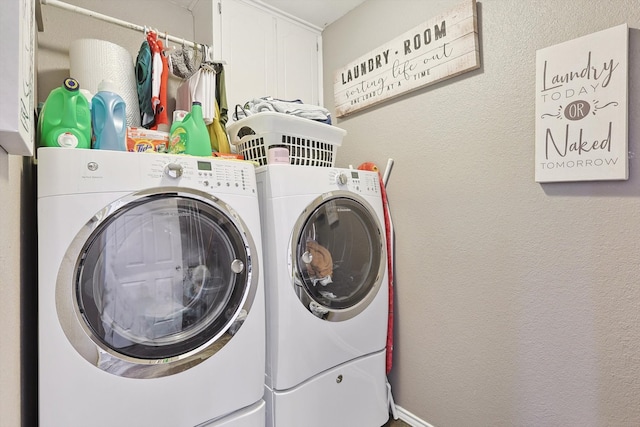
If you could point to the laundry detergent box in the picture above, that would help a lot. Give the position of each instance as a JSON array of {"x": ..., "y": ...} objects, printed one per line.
[{"x": 141, "y": 139}]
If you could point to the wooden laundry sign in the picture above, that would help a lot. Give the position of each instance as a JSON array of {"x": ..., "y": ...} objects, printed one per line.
[{"x": 440, "y": 48}]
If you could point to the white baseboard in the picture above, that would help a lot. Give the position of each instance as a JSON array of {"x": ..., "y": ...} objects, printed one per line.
[{"x": 411, "y": 419}]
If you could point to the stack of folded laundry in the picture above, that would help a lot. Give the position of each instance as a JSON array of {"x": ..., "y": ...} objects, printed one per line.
[{"x": 294, "y": 108}]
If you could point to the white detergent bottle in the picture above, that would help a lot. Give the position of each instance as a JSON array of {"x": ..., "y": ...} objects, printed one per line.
[{"x": 108, "y": 119}]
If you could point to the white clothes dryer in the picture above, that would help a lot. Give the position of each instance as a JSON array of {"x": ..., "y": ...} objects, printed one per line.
[
  {"x": 326, "y": 294},
  {"x": 151, "y": 301}
]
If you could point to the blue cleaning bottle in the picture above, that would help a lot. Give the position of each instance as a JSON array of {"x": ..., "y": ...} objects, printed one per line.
[{"x": 108, "y": 119}]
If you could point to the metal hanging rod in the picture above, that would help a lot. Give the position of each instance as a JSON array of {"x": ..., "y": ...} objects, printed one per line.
[{"x": 120, "y": 22}]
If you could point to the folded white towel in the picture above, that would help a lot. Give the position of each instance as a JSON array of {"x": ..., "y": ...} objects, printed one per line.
[{"x": 295, "y": 108}]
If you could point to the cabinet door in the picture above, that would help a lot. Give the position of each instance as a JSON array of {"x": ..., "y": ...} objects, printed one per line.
[
  {"x": 298, "y": 62},
  {"x": 268, "y": 54},
  {"x": 249, "y": 48}
]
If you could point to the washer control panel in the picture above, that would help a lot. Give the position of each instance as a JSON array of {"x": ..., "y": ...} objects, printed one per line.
[
  {"x": 206, "y": 174},
  {"x": 89, "y": 171}
]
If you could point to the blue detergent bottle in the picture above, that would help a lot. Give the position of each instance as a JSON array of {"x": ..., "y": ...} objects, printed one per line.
[{"x": 108, "y": 119}]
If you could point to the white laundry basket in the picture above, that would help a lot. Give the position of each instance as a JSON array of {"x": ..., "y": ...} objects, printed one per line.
[{"x": 309, "y": 142}]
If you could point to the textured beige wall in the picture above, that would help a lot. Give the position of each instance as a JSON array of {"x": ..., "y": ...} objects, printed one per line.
[
  {"x": 10, "y": 284},
  {"x": 517, "y": 303},
  {"x": 18, "y": 315}
]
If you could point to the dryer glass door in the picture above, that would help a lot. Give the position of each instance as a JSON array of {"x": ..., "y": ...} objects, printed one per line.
[
  {"x": 163, "y": 276},
  {"x": 339, "y": 257}
]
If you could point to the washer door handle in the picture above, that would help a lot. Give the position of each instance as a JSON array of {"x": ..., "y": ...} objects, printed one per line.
[{"x": 237, "y": 266}]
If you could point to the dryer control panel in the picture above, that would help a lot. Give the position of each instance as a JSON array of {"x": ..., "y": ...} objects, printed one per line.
[{"x": 357, "y": 181}]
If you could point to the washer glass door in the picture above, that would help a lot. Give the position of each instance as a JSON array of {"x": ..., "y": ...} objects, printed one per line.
[
  {"x": 339, "y": 256},
  {"x": 162, "y": 278}
]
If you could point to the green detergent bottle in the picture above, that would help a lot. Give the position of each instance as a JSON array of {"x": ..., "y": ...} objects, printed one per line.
[
  {"x": 178, "y": 116},
  {"x": 65, "y": 119},
  {"x": 190, "y": 136}
]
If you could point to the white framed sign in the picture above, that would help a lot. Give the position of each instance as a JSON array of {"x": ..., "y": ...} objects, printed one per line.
[
  {"x": 581, "y": 108},
  {"x": 17, "y": 97},
  {"x": 438, "y": 49}
]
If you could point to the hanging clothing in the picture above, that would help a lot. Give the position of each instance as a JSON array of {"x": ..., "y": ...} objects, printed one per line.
[
  {"x": 156, "y": 74},
  {"x": 221, "y": 96},
  {"x": 200, "y": 87},
  {"x": 161, "y": 117},
  {"x": 218, "y": 129},
  {"x": 217, "y": 134},
  {"x": 191, "y": 90},
  {"x": 207, "y": 86},
  {"x": 185, "y": 61},
  {"x": 143, "y": 84}
]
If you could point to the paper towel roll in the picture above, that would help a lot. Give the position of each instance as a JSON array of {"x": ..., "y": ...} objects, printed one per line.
[{"x": 95, "y": 60}]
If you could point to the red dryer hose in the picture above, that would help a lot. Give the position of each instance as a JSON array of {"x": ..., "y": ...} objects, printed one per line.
[{"x": 369, "y": 166}]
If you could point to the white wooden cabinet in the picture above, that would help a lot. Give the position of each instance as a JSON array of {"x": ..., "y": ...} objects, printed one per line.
[
  {"x": 267, "y": 54},
  {"x": 298, "y": 62}
]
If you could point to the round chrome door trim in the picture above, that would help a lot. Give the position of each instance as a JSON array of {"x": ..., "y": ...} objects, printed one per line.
[
  {"x": 296, "y": 262},
  {"x": 92, "y": 348}
]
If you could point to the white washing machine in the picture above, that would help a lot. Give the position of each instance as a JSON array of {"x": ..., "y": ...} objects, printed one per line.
[
  {"x": 326, "y": 296},
  {"x": 151, "y": 299}
]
